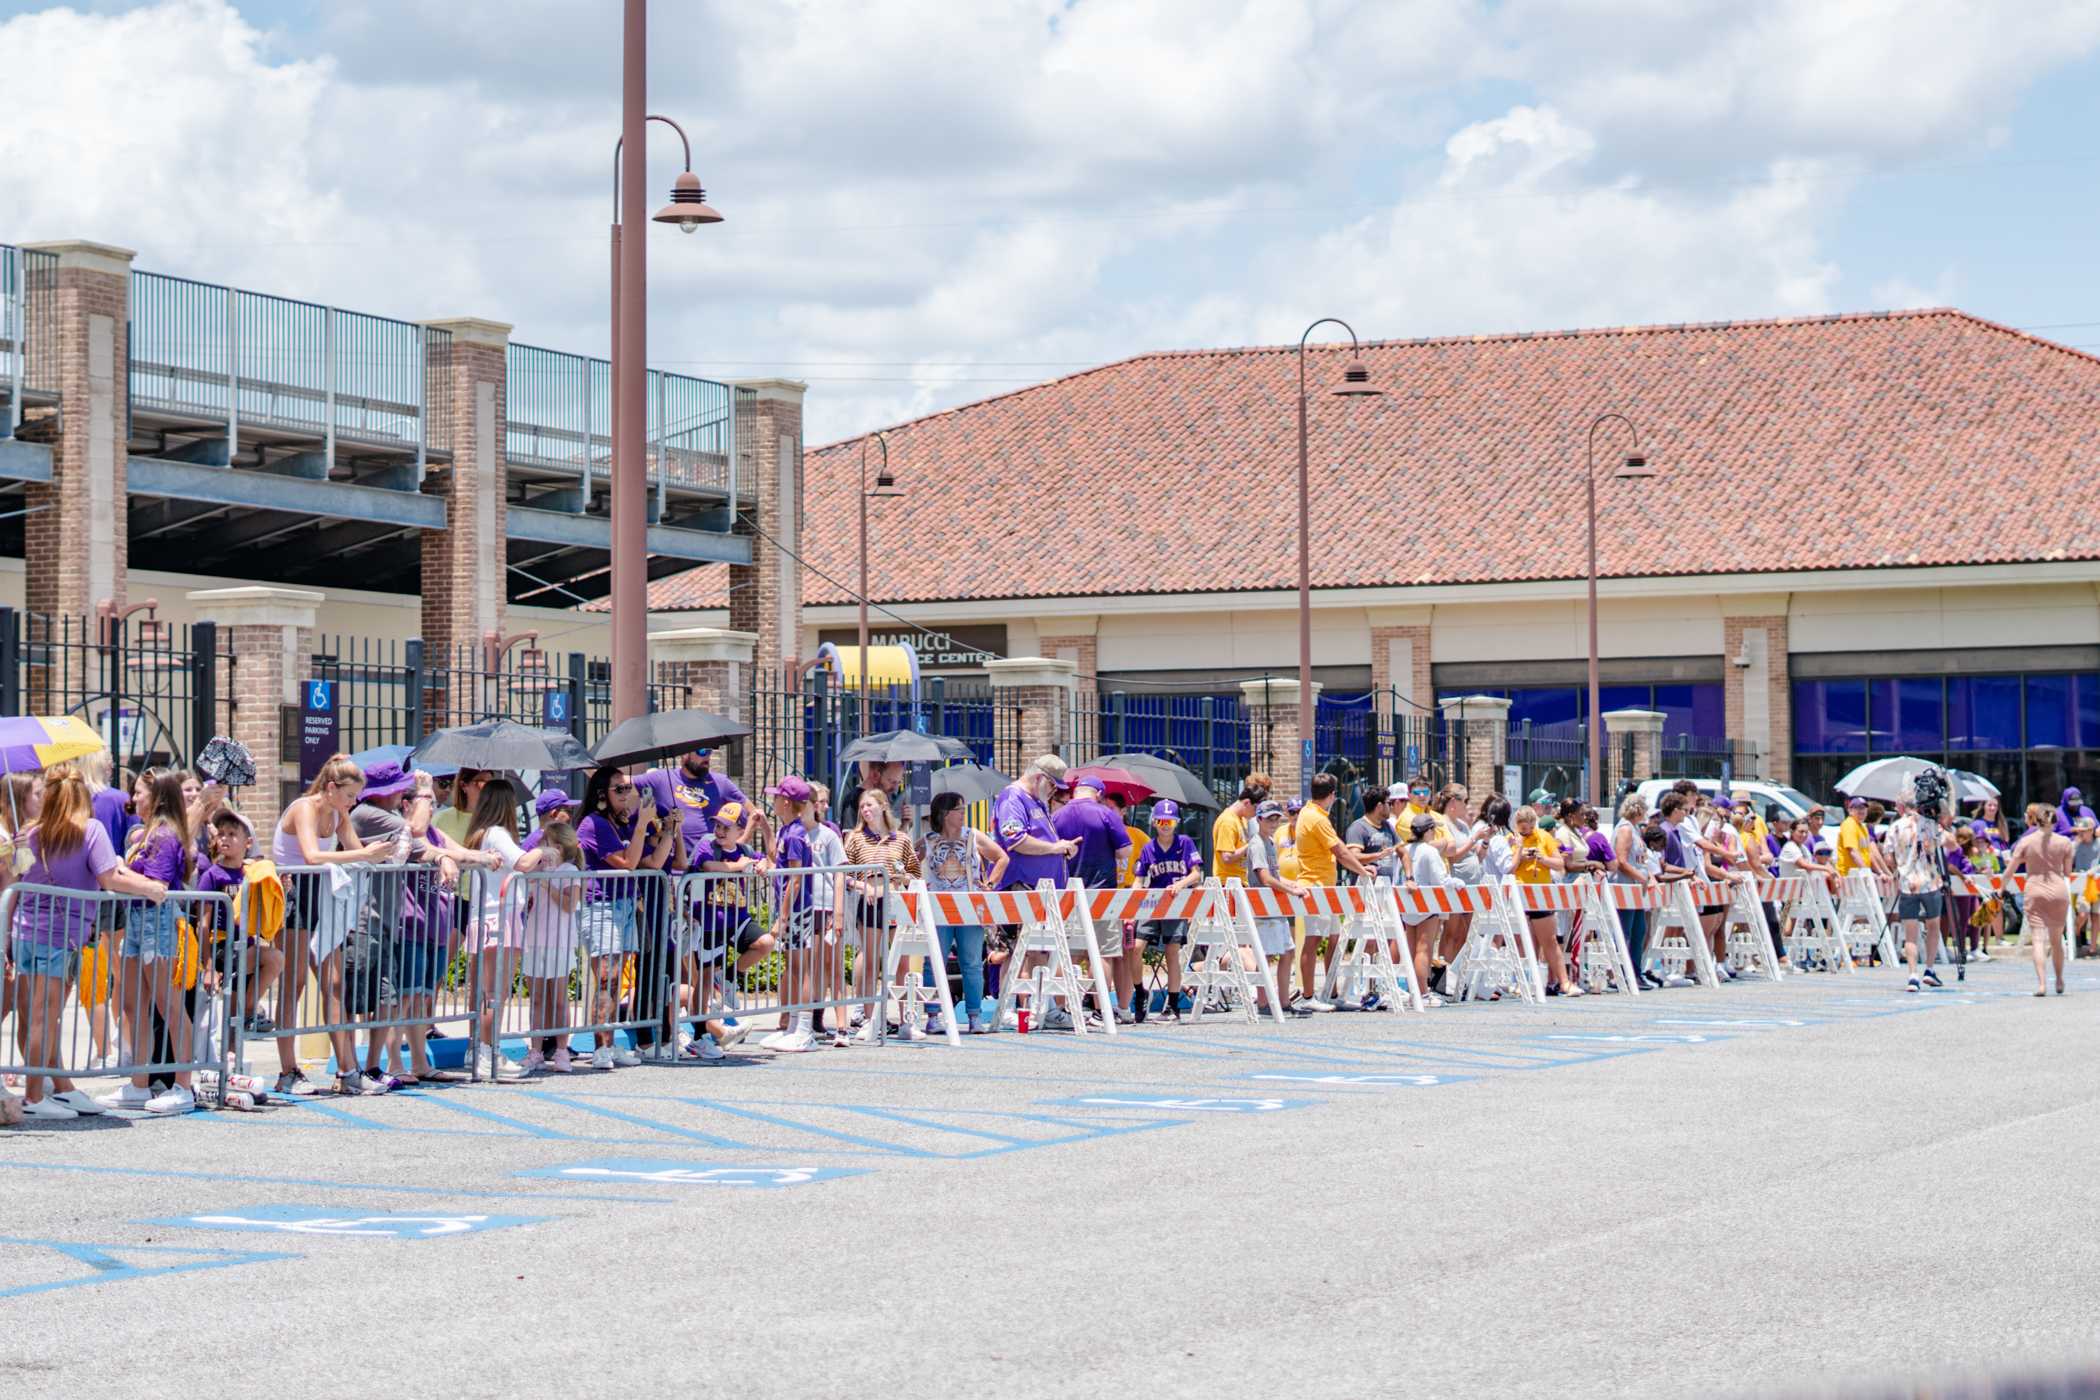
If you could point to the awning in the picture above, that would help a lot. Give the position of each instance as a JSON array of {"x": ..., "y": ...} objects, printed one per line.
[{"x": 887, "y": 666}]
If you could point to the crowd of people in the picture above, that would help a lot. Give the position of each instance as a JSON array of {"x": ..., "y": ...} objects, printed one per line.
[{"x": 472, "y": 917}]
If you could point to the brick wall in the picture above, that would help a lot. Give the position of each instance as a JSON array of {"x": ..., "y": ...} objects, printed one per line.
[
  {"x": 1082, "y": 652},
  {"x": 1416, "y": 683},
  {"x": 76, "y": 539}
]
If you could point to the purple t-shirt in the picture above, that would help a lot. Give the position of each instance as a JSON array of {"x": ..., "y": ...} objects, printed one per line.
[
  {"x": 52, "y": 921},
  {"x": 1599, "y": 847},
  {"x": 214, "y": 878},
  {"x": 794, "y": 854},
  {"x": 601, "y": 835},
  {"x": 693, "y": 803},
  {"x": 159, "y": 857},
  {"x": 1159, "y": 867},
  {"x": 1099, "y": 830},
  {"x": 110, "y": 808},
  {"x": 1016, "y": 813}
]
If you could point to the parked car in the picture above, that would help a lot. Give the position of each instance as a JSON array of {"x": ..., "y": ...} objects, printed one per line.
[{"x": 1768, "y": 798}]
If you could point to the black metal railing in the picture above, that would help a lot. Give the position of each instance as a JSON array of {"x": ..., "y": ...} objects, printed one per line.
[
  {"x": 156, "y": 692},
  {"x": 802, "y": 729}
]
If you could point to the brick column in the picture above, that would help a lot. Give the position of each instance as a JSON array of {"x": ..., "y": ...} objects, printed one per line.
[
  {"x": 271, "y": 632},
  {"x": 1033, "y": 713},
  {"x": 765, "y": 596},
  {"x": 1271, "y": 706},
  {"x": 1480, "y": 745},
  {"x": 714, "y": 667},
  {"x": 76, "y": 540},
  {"x": 1645, "y": 728},
  {"x": 464, "y": 565},
  {"x": 1072, "y": 639},
  {"x": 1759, "y": 686}
]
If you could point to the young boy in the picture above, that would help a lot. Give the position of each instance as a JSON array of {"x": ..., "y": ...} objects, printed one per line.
[
  {"x": 1263, "y": 863},
  {"x": 261, "y": 961},
  {"x": 1168, "y": 862}
]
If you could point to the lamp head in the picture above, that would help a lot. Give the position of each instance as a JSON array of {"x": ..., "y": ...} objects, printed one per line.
[
  {"x": 1634, "y": 468},
  {"x": 885, "y": 485},
  {"x": 688, "y": 207},
  {"x": 1356, "y": 383}
]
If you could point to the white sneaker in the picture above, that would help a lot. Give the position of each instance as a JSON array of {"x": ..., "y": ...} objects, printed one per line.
[
  {"x": 602, "y": 1057},
  {"x": 46, "y": 1107},
  {"x": 796, "y": 1043},
  {"x": 732, "y": 1032},
  {"x": 626, "y": 1059},
  {"x": 534, "y": 1063},
  {"x": 1431, "y": 999},
  {"x": 1677, "y": 979},
  {"x": 1011, "y": 1021},
  {"x": 176, "y": 1100},
  {"x": 776, "y": 1039},
  {"x": 1315, "y": 1004},
  {"x": 912, "y": 1030},
  {"x": 79, "y": 1102},
  {"x": 1057, "y": 1019},
  {"x": 130, "y": 1096},
  {"x": 705, "y": 1050}
]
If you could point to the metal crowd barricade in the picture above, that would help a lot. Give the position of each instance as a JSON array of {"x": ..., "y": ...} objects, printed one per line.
[
  {"x": 785, "y": 944},
  {"x": 560, "y": 953},
  {"x": 109, "y": 985},
  {"x": 372, "y": 951}
]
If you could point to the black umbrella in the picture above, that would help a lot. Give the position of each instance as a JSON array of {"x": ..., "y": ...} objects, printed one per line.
[
  {"x": 501, "y": 743},
  {"x": 665, "y": 734},
  {"x": 1164, "y": 778},
  {"x": 905, "y": 746},
  {"x": 973, "y": 780}
]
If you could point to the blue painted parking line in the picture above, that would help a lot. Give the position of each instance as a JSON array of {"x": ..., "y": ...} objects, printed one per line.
[
  {"x": 1181, "y": 1104},
  {"x": 1382, "y": 1081},
  {"x": 636, "y": 1120},
  {"x": 106, "y": 1264},
  {"x": 1747, "y": 1023},
  {"x": 1631, "y": 1038},
  {"x": 656, "y": 1172},
  {"x": 343, "y": 1224},
  {"x": 310, "y": 1183}
]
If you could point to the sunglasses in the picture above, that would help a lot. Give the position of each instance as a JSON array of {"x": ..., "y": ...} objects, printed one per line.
[{"x": 621, "y": 787}]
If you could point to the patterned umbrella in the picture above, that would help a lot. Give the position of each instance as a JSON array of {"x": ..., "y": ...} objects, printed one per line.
[{"x": 30, "y": 742}]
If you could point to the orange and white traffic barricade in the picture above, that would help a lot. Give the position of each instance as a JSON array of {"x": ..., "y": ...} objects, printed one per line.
[
  {"x": 1746, "y": 939},
  {"x": 1499, "y": 960},
  {"x": 915, "y": 915},
  {"x": 1372, "y": 957},
  {"x": 1809, "y": 923},
  {"x": 1054, "y": 925},
  {"x": 1602, "y": 962},
  {"x": 1619, "y": 897},
  {"x": 1226, "y": 966},
  {"x": 1863, "y": 916},
  {"x": 1675, "y": 938}
]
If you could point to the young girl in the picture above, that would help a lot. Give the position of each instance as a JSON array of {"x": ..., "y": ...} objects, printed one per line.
[
  {"x": 71, "y": 850},
  {"x": 1427, "y": 869},
  {"x": 1538, "y": 859},
  {"x": 549, "y": 912},
  {"x": 145, "y": 978},
  {"x": 956, "y": 857},
  {"x": 491, "y": 832},
  {"x": 793, "y": 896},
  {"x": 876, "y": 841},
  {"x": 315, "y": 832}
]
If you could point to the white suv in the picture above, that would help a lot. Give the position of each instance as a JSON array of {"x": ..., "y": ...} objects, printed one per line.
[{"x": 1768, "y": 798}]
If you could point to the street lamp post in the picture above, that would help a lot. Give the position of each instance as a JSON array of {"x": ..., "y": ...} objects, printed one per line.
[
  {"x": 885, "y": 488},
  {"x": 1631, "y": 467},
  {"x": 629, "y": 389},
  {"x": 1356, "y": 383}
]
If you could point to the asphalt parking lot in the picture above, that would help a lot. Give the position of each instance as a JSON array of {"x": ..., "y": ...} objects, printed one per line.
[{"x": 1819, "y": 1185}]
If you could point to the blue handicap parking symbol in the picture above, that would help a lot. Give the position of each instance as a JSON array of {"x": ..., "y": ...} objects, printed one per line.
[
  {"x": 320, "y": 696},
  {"x": 652, "y": 1172},
  {"x": 334, "y": 1220},
  {"x": 1382, "y": 1081},
  {"x": 1180, "y": 1105}
]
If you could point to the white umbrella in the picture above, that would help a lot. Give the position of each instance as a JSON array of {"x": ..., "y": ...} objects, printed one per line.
[{"x": 1883, "y": 780}]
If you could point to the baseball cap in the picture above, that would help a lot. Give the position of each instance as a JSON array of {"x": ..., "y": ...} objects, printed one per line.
[
  {"x": 729, "y": 814},
  {"x": 1726, "y": 804},
  {"x": 1050, "y": 766},
  {"x": 1166, "y": 810},
  {"x": 1396, "y": 793},
  {"x": 385, "y": 778},
  {"x": 792, "y": 788},
  {"x": 1267, "y": 810},
  {"x": 1855, "y": 802},
  {"x": 1091, "y": 780},
  {"x": 551, "y": 799}
]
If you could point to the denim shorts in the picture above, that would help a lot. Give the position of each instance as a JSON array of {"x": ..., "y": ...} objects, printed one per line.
[
  {"x": 151, "y": 932},
  {"x": 607, "y": 927},
  {"x": 45, "y": 959},
  {"x": 1922, "y": 907},
  {"x": 416, "y": 967}
]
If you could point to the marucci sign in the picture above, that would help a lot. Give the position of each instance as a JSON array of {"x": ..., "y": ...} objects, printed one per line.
[{"x": 957, "y": 649}]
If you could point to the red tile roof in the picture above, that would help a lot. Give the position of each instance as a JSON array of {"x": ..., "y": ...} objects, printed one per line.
[{"x": 1901, "y": 438}]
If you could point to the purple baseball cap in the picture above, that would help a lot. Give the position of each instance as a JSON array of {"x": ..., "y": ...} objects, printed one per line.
[
  {"x": 792, "y": 788},
  {"x": 551, "y": 800},
  {"x": 385, "y": 779},
  {"x": 1166, "y": 810}
]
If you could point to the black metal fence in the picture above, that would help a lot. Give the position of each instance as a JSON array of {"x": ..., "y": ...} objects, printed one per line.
[
  {"x": 1691, "y": 756},
  {"x": 803, "y": 729},
  {"x": 155, "y": 691},
  {"x": 1554, "y": 758},
  {"x": 1212, "y": 736}
]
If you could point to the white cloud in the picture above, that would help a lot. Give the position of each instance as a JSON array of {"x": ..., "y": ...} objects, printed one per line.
[{"x": 926, "y": 199}]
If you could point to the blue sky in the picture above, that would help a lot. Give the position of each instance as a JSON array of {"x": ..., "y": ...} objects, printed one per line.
[{"x": 927, "y": 203}]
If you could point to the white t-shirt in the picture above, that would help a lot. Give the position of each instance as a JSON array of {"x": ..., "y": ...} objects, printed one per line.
[
  {"x": 1499, "y": 858},
  {"x": 1790, "y": 857},
  {"x": 1273, "y": 934},
  {"x": 488, "y": 885},
  {"x": 826, "y": 850},
  {"x": 545, "y": 923}
]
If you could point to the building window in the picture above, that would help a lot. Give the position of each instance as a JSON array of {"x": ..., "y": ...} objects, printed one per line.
[{"x": 1698, "y": 709}]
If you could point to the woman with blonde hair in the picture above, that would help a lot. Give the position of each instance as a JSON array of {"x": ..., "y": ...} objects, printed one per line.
[
  {"x": 316, "y": 832},
  {"x": 875, "y": 840},
  {"x": 69, "y": 849},
  {"x": 160, "y": 850},
  {"x": 2046, "y": 857}
]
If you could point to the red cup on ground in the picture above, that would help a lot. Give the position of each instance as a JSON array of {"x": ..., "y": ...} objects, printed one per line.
[{"x": 1023, "y": 1014}]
